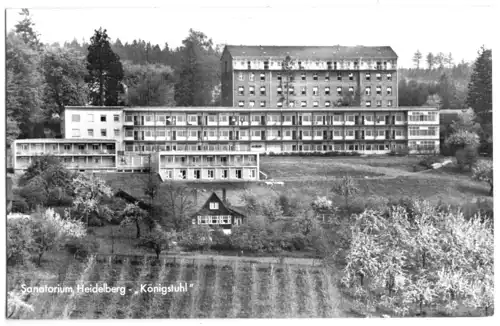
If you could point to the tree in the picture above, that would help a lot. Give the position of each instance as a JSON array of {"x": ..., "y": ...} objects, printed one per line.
[
  {"x": 479, "y": 96},
  {"x": 483, "y": 171},
  {"x": 466, "y": 157},
  {"x": 430, "y": 61},
  {"x": 416, "y": 59},
  {"x": 89, "y": 192},
  {"x": 133, "y": 214},
  {"x": 105, "y": 70},
  {"x": 177, "y": 205},
  {"x": 447, "y": 93},
  {"x": 25, "y": 28},
  {"x": 35, "y": 192},
  {"x": 449, "y": 60},
  {"x": 196, "y": 237},
  {"x": 158, "y": 240},
  {"x": 440, "y": 60},
  {"x": 345, "y": 187}
]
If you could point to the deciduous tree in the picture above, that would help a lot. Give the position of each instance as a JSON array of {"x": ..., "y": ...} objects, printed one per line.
[{"x": 483, "y": 171}]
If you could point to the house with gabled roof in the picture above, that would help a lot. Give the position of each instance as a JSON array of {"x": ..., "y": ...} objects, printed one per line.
[{"x": 216, "y": 212}]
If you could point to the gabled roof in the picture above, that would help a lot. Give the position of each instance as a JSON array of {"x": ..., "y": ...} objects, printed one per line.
[
  {"x": 224, "y": 208},
  {"x": 312, "y": 52}
]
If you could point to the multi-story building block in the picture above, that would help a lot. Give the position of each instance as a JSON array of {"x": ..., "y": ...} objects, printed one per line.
[{"x": 76, "y": 154}]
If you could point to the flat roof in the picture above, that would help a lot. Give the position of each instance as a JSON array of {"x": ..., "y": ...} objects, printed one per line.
[
  {"x": 64, "y": 140},
  {"x": 281, "y": 110},
  {"x": 209, "y": 153}
]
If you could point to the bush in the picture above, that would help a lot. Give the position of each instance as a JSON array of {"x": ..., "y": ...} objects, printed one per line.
[
  {"x": 19, "y": 206},
  {"x": 466, "y": 157},
  {"x": 81, "y": 248},
  {"x": 197, "y": 237},
  {"x": 220, "y": 240},
  {"x": 404, "y": 151},
  {"x": 249, "y": 237}
]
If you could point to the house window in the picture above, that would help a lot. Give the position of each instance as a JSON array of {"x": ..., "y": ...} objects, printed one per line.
[
  {"x": 263, "y": 90},
  {"x": 103, "y": 118},
  {"x": 389, "y": 76},
  {"x": 351, "y": 76},
  {"x": 103, "y": 132},
  {"x": 336, "y": 133},
  {"x": 351, "y": 89},
  {"x": 327, "y": 76},
  {"x": 75, "y": 118},
  {"x": 369, "y": 133},
  {"x": 327, "y": 90},
  {"x": 367, "y": 76},
  {"x": 379, "y": 103},
  {"x": 279, "y": 104},
  {"x": 90, "y": 118},
  {"x": 378, "y": 76},
  {"x": 224, "y": 174},
  {"x": 241, "y": 90},
  {"x": 315, "y": 104},
  {"x": 128, "y": 118},
  {"x": 117, "y": 132},
  {"x": 238, "y": 174},
  {"x": 262, "y": 77},
  {"x": 368, "y": 104},
  {"x": 339, "y": 90},
  {"x": 148, "y": 118},
  {"x": 303, "y": 90},
  {"x": 251, "y": 104},
  {"x": 90, "y": 132},
  {"x": 116, "y": 118},
  {"x": 339, "y": 76},
  {"x": 291, "y": 104},
  {"x": 389, "y": 103},
  {"x": 315, "y": 90},
  {"x": 379, "y": 90},
  {"x": 278, "y": 76},
  {"x": 368, "y": 90},
  {"x": 240, "y": 76},
  {"x": 210, "y": 174},
  {"x": 251, "y": 76},
  {"x": 251, "y": 90},
  {"x": 315, "y": 76},
  {"x": 214, "y": 205},
  {"x": 291, "y": 89},
  {"x": 303, "y": 104},
  {"x": 76, "y": 133},
  {"x": 279, "y": 90},
  {"x": 303, "y": 76},
  {"x": 381, "y": 133},
  {"x": 389, "y": 90},
  {"x": 241, "y": 104},
  {"x": 349, "y": 133},
  {"x": 262, "y": 104},
  {"x": 350, "y": 118},
  {"x": 328, "y": 104}
]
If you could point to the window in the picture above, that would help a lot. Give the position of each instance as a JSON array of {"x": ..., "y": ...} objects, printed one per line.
[
  {"x": 292, "y": 78},
  {"x": 240, "y": 76},
  {"x": 103, "y": 132},
  {"x": 378, "y": 76},
  {"x": 238, "y": 174},
  {"x": 351, "y": 76},
  {"x": 148, "y": 118},
  {"x": 327, "y": 76},
  {"x": 339, "y": 90},
  {"x": 303, "y": 104},
  {"x": 315, "y": 90},
  {"x": 349, "y": 133},
  {"x": 279, "y": 104},
  {"x": 389, "y": 76},
  {"x": 128, "y": 118},
  {"x": 379, "y": 103},
  {"x": 351, "y": 89},
  {"x": 368, "y": 104},
  {"x": 181, "y": 118},
  {"x": 262, "y": 77},
  {"x": 241, "y": 104},
  {"x": 369, "y": 133},
  {"x": 319, "y": 133},
  {"x": 241, "y": 90},
  {"x": 161, "y": 133},
  {"x": 278, "y": 76},
  {"x": 306, "y": 133},
  {"x": 251, "y": 104},
  {"x": 263, "y": 90},
  {"x": 336, "y": 133},
  {"x": 249, "y": 65},
  {"x": 389, "y": 90},
  {"x": 315, "y": 104},
  {"x": 422, "y": 131},
  {"x": 399, "y": 117},
  {"x": 90, "y": 132},
  {"x": 368, "y": 90},
  {"x": 181, "y": 133},
  {"x": 90, "y": 118},
  {"x": 303, "y": 76},
  {"x": 76, "y": 133},
  {"x": 67, "y": 147},
  {"x": 291, "y": 90},
  {"x": 266, "y": 64},
  {"x": 117, "y": 132},
  {"x": 369, "y": 118},
  {"x": 255, "y": 133},
  {"x": 214, "y": 205},
  {"x": 328, "y": 104},
  {"x": 262, "y": 104},
  {"x": 367, "y": 76},
  {"x": 251, "y": 90},
  {"x": 306, "y": 117},
  {"x": 279, "y": 90},
  {"x": 399, "y": 132},
  {"x": 116, "y": 118},
  {"x": 251, "y": 76},
  {"x": 103, "y": 118},
  {"x": 75, "y": 118},
  {"x": 303, "y": 90},
  {"x": 327, "y": 90},
  {"x": 192, "y": 118},
  {"x": 315, "y": 76},
  {"x": 210, "y": 174},
  {"x": 337, "y": 118},
  {"x": 350, "y": 118},
  {"x": 291, "y": 104},
  {"x": 389, "y": 103},
  {"x": 381, "y": 133},
  {"x": 339, "y": 76},
  {"x": 379, "y": 90},
  {"x": 147, "y": 133}
]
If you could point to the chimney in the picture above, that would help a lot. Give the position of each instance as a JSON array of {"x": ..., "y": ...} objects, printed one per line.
[{"x": 224, "y": 199}]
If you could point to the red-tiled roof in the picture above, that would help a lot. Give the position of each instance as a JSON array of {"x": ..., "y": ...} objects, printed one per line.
[{"x": 313, "y": 52}]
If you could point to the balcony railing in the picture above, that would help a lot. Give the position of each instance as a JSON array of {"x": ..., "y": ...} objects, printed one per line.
[{"x": 63, "y": 152}]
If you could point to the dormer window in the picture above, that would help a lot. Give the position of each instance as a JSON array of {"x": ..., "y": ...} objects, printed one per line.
[{"x": 214, "y": 205}]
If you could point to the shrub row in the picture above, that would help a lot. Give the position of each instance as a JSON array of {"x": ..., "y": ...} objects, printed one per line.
[{"x": 327, "y": 153}]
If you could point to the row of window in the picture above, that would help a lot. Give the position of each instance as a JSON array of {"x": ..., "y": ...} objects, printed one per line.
[
  {"x": 422, "y": 116},
  {"x": 303, "y": 76},
  {"x": 423, "y": 131},
  {"x": 422, "y": 144},
  {"x": 315, "y": 104},
  {"x": 211, "y": 173},
  {"x": 222, "y": 219},
  {"x": 315, "y": 90},
  {"x": 68, "y": 147},
  {"x": 90, "y": 132},
  {"x": 90, "y": 117}
]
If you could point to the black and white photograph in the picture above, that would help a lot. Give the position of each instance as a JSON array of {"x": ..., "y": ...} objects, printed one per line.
[{"x": 239, "y": 160}]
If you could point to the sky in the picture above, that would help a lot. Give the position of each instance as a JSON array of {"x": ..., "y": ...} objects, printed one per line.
[{"x": 459, "y": 27}]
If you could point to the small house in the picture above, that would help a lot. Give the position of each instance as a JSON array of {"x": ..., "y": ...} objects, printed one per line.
[{"x": 216, "y": 212}]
